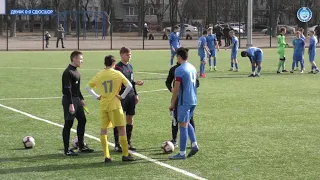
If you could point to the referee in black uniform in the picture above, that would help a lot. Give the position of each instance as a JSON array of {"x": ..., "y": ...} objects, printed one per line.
[
  {"x": 129, "y": 103},
  {"x": 174, "y": 126},
  {"x": 73, "y": 103}
]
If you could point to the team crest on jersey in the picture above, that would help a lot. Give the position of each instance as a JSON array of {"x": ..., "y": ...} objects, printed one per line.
[
  {"x": 304, "y": 14},
  {"x": 76, "y": 82}
]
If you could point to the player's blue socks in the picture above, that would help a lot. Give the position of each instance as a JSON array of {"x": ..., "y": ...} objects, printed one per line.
[
  {"x": 253, "y": 68},
  {"x": 302, "y": 65},
  {"x": 297, "y": 64},
  {"x": 259, "y": 69},
  {"x": 294, "y": 64},
  {"x": 183, "y": 139},
  {"x": 210, "y": 61},
  {"x": 171, "y": 61},
  {"x": 191, "y": 133},
  {"x": 236, "y": 64},
  {"x": 214, "y": 61},
  {"x": 202, "y": 68}
]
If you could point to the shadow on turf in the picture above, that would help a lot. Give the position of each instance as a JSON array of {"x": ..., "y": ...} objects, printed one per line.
[
  {"x": 149, "y": 149},
  {"x": 48, "y": 156},
  {"x": 74, "y": 166}
]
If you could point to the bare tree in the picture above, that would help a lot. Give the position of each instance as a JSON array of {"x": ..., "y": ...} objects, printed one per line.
[
  {"x": 274, "y": 6},
  {"x": 70, "y": 6},
  {"x": 13, "y": 23},
  {"x": 30, "y": 4},
  {"x": 141, "y": 6},
  {"x": 84, "y": 5},
  {"x": 159, "y": 11},
  {"x": 107, "y": 6},
  {"x": 56, "y": 6}
]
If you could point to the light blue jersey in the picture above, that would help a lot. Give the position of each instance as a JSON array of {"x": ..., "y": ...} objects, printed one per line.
[
  {"x": 313, "y": 45},
  {"x": 235, "y": 43},
  {"x": 255, "y": 54},
  {"x": 201, "y": 44},
  {"x": 312, "y": 48},
  {"x": 303, "y": 37},
  {"x": 235, "y": 47},
  {"x": 298, "y": 47},
  {"x": 186, "y": 74},
  {"x": 211, "y": 40},
  {"x": 174, "y": 40}
]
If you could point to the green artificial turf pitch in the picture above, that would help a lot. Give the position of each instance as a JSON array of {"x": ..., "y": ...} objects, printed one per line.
[{"x": 247, "y": 128}]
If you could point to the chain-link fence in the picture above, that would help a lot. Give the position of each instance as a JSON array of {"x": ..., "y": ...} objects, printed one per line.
[{"x": 145, "y": 24}]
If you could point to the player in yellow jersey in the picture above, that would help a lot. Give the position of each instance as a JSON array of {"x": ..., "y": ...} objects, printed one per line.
[{"x": 108, "y": 83}]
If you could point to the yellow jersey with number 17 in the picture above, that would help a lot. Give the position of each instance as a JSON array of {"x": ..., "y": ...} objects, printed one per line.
[{"x": 108, "y": 83}]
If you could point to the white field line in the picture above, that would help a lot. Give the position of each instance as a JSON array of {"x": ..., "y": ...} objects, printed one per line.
[
  {"x": 184, "y": 172},
  {"x": 81, "y": 69},
  {"x": 45, "y": 98}
]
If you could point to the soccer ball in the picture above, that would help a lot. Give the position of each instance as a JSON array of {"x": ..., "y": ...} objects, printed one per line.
[
  {"x": 167, "y": 147},
  {"x": 28, "y": 142},
  {"x": 75, "y": 143}
]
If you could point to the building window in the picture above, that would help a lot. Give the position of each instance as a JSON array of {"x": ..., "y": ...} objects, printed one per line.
[
  {"x": 150, "y": 11},
  {"x": 125, "y": 1},
  {"x": 130, "y": 11}
]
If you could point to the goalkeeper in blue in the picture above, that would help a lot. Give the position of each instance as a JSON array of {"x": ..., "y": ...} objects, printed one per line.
[
  {"x": 213, "y": 46},
  {"x": 185, "y": 92},
  {"x": 299, "y": 45},
  {"x": 174, "y": 42},
  {"x": 312, "y": 52},
  {"x": 255, "y": 56}
]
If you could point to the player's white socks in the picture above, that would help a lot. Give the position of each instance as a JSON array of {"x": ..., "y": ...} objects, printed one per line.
[
  {"x": 194, "y": 144},
  {"x": 182, "y": 153}
]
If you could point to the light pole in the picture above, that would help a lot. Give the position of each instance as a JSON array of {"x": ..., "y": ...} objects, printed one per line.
[{"x": 249, "y": 28}]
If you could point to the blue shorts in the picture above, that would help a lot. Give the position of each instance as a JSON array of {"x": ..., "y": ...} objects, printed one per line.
[
  {"x": 212, "y": 53},
  {"x": 202, "y": 57},
  {"x": 258, "y": 56},
  {"x": 234, "y": 55},
  {"x": 185, "y": 112},
  {"x": 297, "y": 57},
  {"x": 312, "y": 56},
  {"x": 173, "y": 53}
]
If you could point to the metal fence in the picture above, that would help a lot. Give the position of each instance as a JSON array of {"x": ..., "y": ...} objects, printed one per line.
[{"x": 101, "y": 32}]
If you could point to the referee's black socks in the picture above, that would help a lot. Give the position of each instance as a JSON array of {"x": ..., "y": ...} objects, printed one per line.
[
  {"x": 129, "y": 128},
  {"x": 116, "y": 136}
]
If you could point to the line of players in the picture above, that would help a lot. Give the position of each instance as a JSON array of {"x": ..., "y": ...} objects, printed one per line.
[
  {"x": 208, "y": 47},
  {"x": 299, "y": 43}
]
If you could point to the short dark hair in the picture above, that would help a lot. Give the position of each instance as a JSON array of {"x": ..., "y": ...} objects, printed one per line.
[
  {"x": 204, "y": 32},
  {"x": 75, "y": 54},
  {"x": 109, "y": 60},
  {"x": 244, "y": 53},
  {"x": 301, "y": 30},
  {"x": 176, "y": 27},
  {"x": 283, "y": 29},
  {"x": 183, "y": 53},
  {"x": 125, "y": 50}
]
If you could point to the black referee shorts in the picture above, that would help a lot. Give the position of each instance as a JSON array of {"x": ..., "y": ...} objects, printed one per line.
[
  {"x": 79, "y": 111},
  {"x": 129, "y": 105}
]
